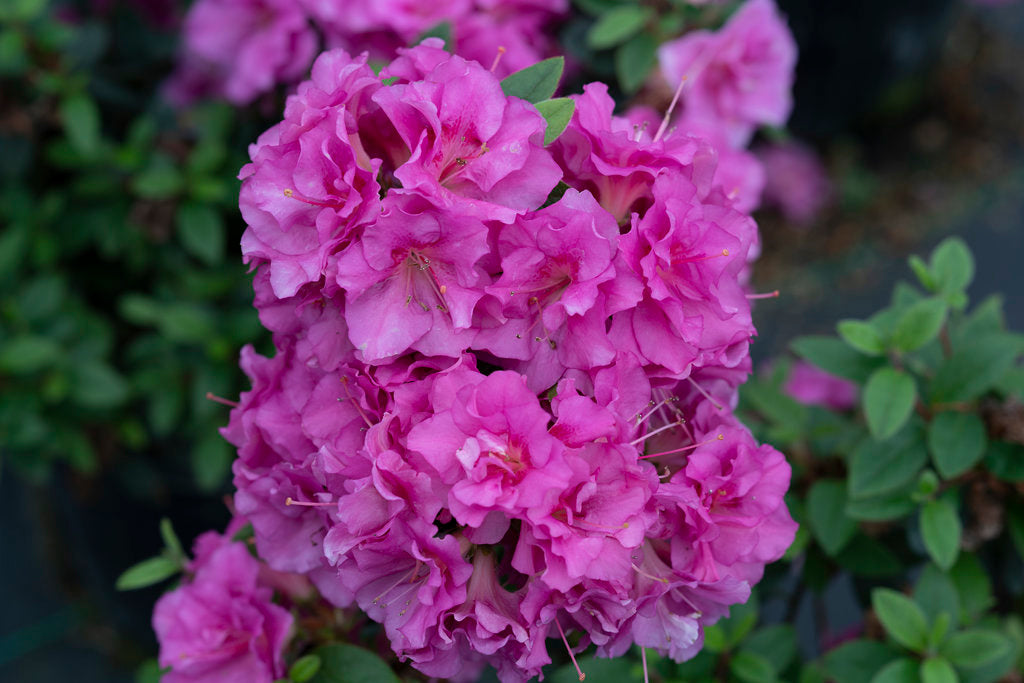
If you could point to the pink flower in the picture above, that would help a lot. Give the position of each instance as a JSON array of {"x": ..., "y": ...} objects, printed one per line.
[
  {"x": 470, "y": 147},
  {"x": 241, "y": 49},
  {"x": 812, "y": 386},
  {"x": 221, "y": 627},
  {"x": 797, "y": 182},
  {"x": 738, "y": 78}
]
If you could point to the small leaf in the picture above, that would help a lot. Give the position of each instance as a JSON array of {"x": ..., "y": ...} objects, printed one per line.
[
  {"x": 557, "y": 113},
  {"x": 888, "y": 401},
  {"x": 634, "y": 60},
  {"x": 923, "y": 273},
  {"x": 936, "y": 593},
  {"x": 304, "y": 668},
  {"x": 975, "y": 368},
  {"x": 535, "y": 83},
  {"x": 856, "y": 661},
  {"x": 940, "y": 530},
  {"x": 938, "y": 670},
  {"x": 902, "y": 618},
  {"x": 862, "y": 336},
  {"x": 95, "y": 384},
  {"x": 919, "y": 324},
  {"x": 160, "y": 179},
  {"x": 776, "y": 643},
  {"x": 26, "y": 354},
  {"x": 975, "y": 647},
  {"x": 81, "y": 119},
  {"x": 171, "y": 542},
  {"x": 826, "y": 502},
  {"x": 952, "y": 265},
  {"x": 866, "y": 556},
  {"x": 617, "y": 26},
  {"x": 956, "y": 441},
  {"x": 201, "y": 231},
  {"x": 147, "y": 572},
  {"x": 343, "y": 663},
  {"x": 211, "y": 462},
  {"x": 834, "y": 356},
  {"x": 751, "y": 668},
  {"x": 972, "y": 586},
  {"x": 878, "y": 468},
  {"x": 899, "y": 671}
]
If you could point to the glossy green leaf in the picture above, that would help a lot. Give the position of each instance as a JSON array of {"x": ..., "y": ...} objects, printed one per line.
[
  {"x": 975, "y": 368},
  {"x": 899, "y": 671},
  {"x": 634, "y": 61},
  {"x": 344, "y": 663},
  {"x": 940, "y": 530},
  {"x": 826, "y": 504},
  {"x": 923, "y": 273},
  {"x": 919, "y": 324},
  {"x": 973, "y": 587},
  {"x": 535, "y": 83},
  {"x": 304, "y": 668},
  {"x": 751, "y": 668},
  {"x": 862, "y": 336},
  {"x": 888, "y": 401},
  {"x": 952, "y": 265},
  {"x": 834, "y": 356},
  {"x": 938, "y": 670},
  {"x": 880, "y": 468},
  {"x": 618, "y": 25},
  {"x": 557, "y": 113},
  {"x": 902, "y": 618},
  {"x": 974, "y": 648},
  {"x": 147, "y": 572},
  {"x": 171, "y": 542},
  {"x": 201, "y": 231},
  {"x": 936, "y": 593},
  {"x": 956, "y": 441}
]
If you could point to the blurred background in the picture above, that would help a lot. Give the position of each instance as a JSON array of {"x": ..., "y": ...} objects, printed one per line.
[{"x": 123, "y": 300}]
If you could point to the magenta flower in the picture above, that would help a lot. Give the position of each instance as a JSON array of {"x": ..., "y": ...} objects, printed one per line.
[
  {"x": 220, "y": 626},
  {"x": 739, "y": 77},
  {"x": 797, "y": 182},
  {"x": 815, "y": 387},
  {"x": 240, "y": 49}
]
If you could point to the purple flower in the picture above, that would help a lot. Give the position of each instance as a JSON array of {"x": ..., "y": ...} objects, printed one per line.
[
  {"x": 220, "y": 626},
  {"x": 797, "y": 182},
  {"x": 739, "y": 77},
  {"x": 815, "y": 387}
]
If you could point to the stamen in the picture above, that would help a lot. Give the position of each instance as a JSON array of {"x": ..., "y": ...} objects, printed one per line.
[
  {"x": 705, "y": 394},
  {"x": 289, "y": 192},
  {"x": 648, "y": 435},
  {"x": 652, "y": 577},
  {"x": 217, "y": 399},
  {"x": 643, "y": 660},
  {"x": 684, "y": 448},
  {"x": 569, "y": 650},
  {"x": 497, "y": 57},
  {"x": 540, "y": 319},
  {"x": 411, "y": 575},
  {"x": 359, "y": 408},
  {"x": 640, "y": 419},
  {"x": 695, "y": 259},
  {"x": 291, "y": 501},
  {"x": 766, "y": 295},
  {"x": 668, "y": 113}
]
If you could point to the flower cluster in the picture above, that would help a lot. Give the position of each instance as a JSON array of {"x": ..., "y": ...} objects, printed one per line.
[
  {"x": 500, "y": 408},
  {"x": 734, "y": 80},
  {"x": 240, "y": 49}
]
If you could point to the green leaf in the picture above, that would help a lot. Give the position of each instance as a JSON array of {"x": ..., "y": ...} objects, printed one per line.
[
  {"x": 867, "y": 556},
  {"x": 94, "y": 384},
  {"x": 147, "y": 572},
  {"x": 26, "y": 354},
  {"x": 21, "y": 10},
  {"x": 634, "y": 60},
  {"x": 972, "y": 586},
  {"x": 596, "y": 8},
  {"x": 201, "y": 231},
  {"x": 878, "y": 468},
  {"x": 535, "y": 83},
  {"x": 881, "y": 508},
  {"x": 826, "y": 504},
  {"x": 902, "y": 618},
  {"x": 211, "y": 462},
  {"x": 919, "y": 324},
  {"x": 940, "y": 627},
  {"x": 617, "y": 26},
  {"x": 171, "y": 542},
  {"x": 834, "y": 356},
  {"x": 899, "y": 671},
  {"x": 936, "y": 593},
  {"x": 940, "y": 530},
  {"x": 160, "y": 179},
  {"x": 938, "y": 670},
  {"x": 975, "y": 647},
  {"x": 923, "y": 273},
  {"x": 557, "y": 113},
  {"x": 862, "y": 336},
  {"x": 952, "y": 265},
  {"x": 343, "y": 663},
  {"x": 857, "y": 661},
  {"x": 149, "y": 672},
  {"x": 304, "y": 668},
  {"x": 596, "y": 670},
  {"x": 1005, "y": 460},
  {"x": 81, "y": 120},
  {"x": 776, "y": 644},
  {"x": 974, "y": 369},
  {"x": 751, "y": 668},
  {"x": 888, "y": 401},
  {"x": 956, "y": 441}
]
